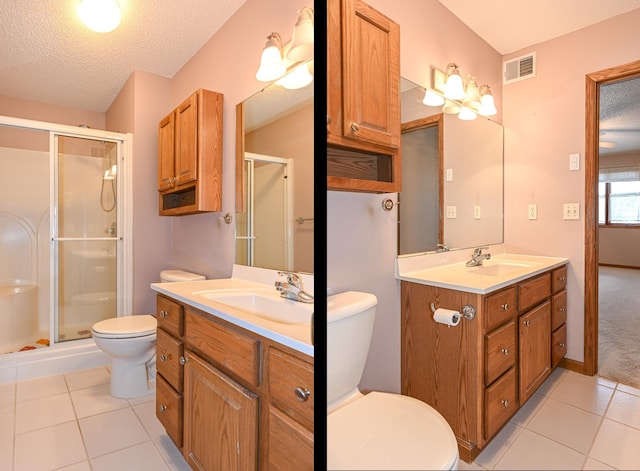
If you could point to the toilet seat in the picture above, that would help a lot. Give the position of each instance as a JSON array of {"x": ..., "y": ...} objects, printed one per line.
[
  {"x": 126, "y": 327},
  {"x": 361, "y": 435}
]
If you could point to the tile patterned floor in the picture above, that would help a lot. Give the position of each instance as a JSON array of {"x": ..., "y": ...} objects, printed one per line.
[
  {"x": 572, "y": 422},
  {"x": 70, "y": 422}
]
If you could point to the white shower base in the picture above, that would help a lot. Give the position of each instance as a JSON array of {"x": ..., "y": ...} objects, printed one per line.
[{"x": 57, "y": 359}]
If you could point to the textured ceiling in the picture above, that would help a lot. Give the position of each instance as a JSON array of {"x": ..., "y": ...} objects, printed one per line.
[
  {"x": 48, "y": 55},
  {"x": 510, "y": 25}
]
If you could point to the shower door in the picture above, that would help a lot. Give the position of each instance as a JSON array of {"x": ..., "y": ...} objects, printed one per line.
[
  {"x": 85, "y": 226},
  {"x": 264, "y": 231}
]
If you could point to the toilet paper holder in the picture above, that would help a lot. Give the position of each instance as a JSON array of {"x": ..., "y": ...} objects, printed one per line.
[{"x": 468, "y": 311}]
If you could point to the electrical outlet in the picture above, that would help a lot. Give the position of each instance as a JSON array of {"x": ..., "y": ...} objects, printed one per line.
[
  {"x": 571, "y": 211},
  {"x": 476, "y": 212},
  {"x": 451, "y": 212},
  {"x": 449, "y": 175},
  {"x": 533, "y": 211}
]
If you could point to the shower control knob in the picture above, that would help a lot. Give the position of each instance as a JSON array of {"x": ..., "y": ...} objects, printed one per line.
[
  {"x": 302, "y": 394},
  {"x": 183, "y": 360},
  {"x": 162, "y": 408}
]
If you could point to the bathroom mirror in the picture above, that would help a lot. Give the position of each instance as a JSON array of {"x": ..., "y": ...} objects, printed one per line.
[
  {"x": 452, "y": 178},
  {"x": 274, "y": 179}
]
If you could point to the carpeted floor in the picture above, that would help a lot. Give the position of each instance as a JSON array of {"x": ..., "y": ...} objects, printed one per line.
[{"x": 619, "y": 325}]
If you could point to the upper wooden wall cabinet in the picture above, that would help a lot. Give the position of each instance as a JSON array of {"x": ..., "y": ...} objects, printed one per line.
[
  {"x": 190, "y": 156},
  {"x": 363, "y": 99}
]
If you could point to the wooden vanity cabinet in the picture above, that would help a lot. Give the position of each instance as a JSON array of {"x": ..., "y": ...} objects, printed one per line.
[
  {"x": 190, "y": 156},
  {"x": 480, "y": 372},
  {"x": 558, "y": 315},
  {"x": 363, "y": 99},
  {"x": 247, "y": 401},
  {"x": 169, "y": 354}
]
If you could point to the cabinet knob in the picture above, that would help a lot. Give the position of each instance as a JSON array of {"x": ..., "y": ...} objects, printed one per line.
[
  {"x": 505, "y": 351},
  {"x": 163, "y": 357},
  {"x": 183, "y": 360},
  {"x": 355, "y": 127},
  {"x": 302, "y": 394},
  {"x": 563, "y": 278},
  {"x": 164, "y": 313},
  {"x": 527, "y": 323},
  {"x": 562, "y": 345},
  {"x": 175, "y": 179},
  {"x": 505, "y": 307},
  {"x": 505, "y": 402},
  {"x": 162, "y": 408},
  {"x": 563, "y": 309}
]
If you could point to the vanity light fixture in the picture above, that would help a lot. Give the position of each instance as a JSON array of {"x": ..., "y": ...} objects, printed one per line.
[
  {"x": 299, "y": 77},
  {"x": 488, "y": 107},
  {"x": 472, "y": 101},
  {"x": 301, "y": 48},
  {"x": 278, "y": 59},
  {"x": 102, "y": 16},
  {"x": 453, "y": 88},
  {"x": 271, "y": 65}
]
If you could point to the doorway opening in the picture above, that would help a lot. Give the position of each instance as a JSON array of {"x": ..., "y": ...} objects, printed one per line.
[{"x": 592, "y": 165}]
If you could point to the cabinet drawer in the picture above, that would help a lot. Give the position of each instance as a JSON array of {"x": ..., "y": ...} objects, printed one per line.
[
  {"x": 236, "y": 354},
  {"x": 558, "y": 309},
  {"x": 500, "y": 352},
  {"x": 169, "y": 410},
  {"x": 558, "y": 279},
  {"x": 558, "y": 345},
  {"x": 500, "y": 307},
  {"x": 291, "y": 386},
  {"x": 533, "y": 291},
  {"x": 168, "y": 353},
  {"x": 500, "y": 402},
  {"x": 170, "y": 316}
]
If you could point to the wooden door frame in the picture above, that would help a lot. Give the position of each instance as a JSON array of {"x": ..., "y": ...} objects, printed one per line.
[{"x": 592, "y": 112}]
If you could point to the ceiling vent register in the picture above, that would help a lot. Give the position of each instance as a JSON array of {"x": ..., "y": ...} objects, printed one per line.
[{"x": 520, "y": 68}]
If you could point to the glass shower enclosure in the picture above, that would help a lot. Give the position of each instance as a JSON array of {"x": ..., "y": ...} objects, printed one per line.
[{"x": 65, "y": 232}]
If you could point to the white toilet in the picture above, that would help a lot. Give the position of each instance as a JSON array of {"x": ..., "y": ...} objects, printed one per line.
[
  {"x": 375, "y": 430},
  {"x": 130, "y": 342}
]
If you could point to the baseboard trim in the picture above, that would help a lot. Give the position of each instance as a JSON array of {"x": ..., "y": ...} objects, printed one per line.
[{"x": 573, "y": 365}]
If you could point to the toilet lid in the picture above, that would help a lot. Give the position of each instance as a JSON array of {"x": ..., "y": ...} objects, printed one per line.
[
  {"x": 126, "y": 326},
  {"x": 389, "y": 431}
]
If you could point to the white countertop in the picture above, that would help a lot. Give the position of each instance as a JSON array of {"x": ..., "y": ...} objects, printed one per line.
[
  {"x": 499, "y": 271},
  {"x": 296, "y": 336}
]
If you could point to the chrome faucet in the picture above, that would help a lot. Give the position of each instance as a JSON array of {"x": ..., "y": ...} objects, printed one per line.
[
  {"x": 478, "y": 257},
  {"x": 292, "y": 288}
]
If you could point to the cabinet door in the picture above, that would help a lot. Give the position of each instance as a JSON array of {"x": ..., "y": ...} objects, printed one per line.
[
  {"x": 371, "y": 75},
  {"x": 290, "y": 445},
  {"x": 220, "y": 420},
  {"x": 187, "y": 140},
  {"x": 535, "y": 349},
  {"x": 166, "y": 158}
]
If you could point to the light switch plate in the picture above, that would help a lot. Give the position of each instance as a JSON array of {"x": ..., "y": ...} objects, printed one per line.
[
  {"x": 571, "y": 211},
  {"x": 574, "y": 162},
  {"x": 533, "y": 211},
  {"x": 477, "y": 214},
  {"x": 451, "y": 212}
]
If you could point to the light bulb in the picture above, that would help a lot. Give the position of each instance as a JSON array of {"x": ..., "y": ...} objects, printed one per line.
[{"x": 102, "y": 16}]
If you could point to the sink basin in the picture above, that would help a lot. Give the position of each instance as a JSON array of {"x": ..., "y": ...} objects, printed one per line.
[
  {"x": 500, "y": 267},
  {"x": 265, "y": 305}
]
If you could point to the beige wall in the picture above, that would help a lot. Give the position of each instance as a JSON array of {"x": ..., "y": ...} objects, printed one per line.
[{"x": 544, "y": 120}]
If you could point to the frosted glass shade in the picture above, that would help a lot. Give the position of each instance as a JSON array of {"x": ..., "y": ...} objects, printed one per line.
[{"x": 101, "y": 16}]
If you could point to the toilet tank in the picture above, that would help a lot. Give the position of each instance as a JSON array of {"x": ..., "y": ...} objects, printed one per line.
[
  {"x": 179, "y": 275},
  {"x": 350, "y": 319}
]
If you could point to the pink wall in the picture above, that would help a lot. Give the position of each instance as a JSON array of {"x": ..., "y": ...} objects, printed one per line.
[
  {"x": 138, "y": 108},
  {"x": 226, "y": 64},
  {"x": 544, "y": 120},
  {"x": 362, "y": 238}
]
